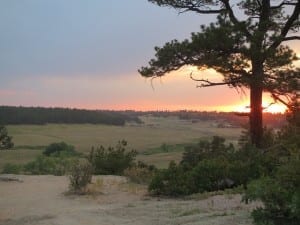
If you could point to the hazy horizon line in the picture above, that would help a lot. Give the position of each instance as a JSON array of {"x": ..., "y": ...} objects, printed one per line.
[{"x": 135, "y": 110}]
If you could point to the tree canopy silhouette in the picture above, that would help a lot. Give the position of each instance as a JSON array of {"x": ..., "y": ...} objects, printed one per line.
[
  {"x": 5, "y": 140},
  {"x": 246, "y": 45}
]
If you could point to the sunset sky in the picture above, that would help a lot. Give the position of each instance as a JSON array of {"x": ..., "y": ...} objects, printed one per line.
[{"x": 86, "y": 53}]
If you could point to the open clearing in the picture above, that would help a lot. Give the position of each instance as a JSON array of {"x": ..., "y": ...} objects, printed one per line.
[
  {"x": 30, "y": 140},
  {"x": 40, "y": 200}
]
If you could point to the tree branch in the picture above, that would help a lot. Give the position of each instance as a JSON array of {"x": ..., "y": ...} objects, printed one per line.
[
  {"x": 234, "y": 20},
  {"x": 291, "y": 38},
  {"x": 185, "y": 6},
  {"x": 282, "y": 4},
  {"x": 287, "y": 26},
  {"x": 207, "y": 83},
  {"x": 277, "y": 98},
  {"x": 200, "y": 11}
]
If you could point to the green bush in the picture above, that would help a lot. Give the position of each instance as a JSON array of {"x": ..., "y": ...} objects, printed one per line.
[
  {"x": 112, "y": 160},
  {"x": 210, "y": 175},
  {"x": 60, "y": 149},
  {"x": 10, "y": 168},
  {"x": 249, "y": 163},
  {"x": 280, "y": 196},
  {"x": 212, "y": 166},
  {"x": 57, "y": 159},
  {"x": 193, "y": 154},
  {"x": 49, "y": 165},
  {"x": 279, "y": 190},
  {"x": 80, "y": 176},
  {"x": 204, "y": 167},
  {"x": 5, "y": 140},
  {"x": 207, "y": 175},
  {"x": 173, "y": 181}
]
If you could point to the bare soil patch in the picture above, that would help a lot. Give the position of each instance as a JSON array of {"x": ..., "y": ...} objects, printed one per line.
[{"x": 42, "y": 200}]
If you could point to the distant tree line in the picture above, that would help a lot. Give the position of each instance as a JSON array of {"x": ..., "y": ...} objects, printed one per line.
[
  {"x": 235, "y": 119},
  {"x": 39, "y": 115}
]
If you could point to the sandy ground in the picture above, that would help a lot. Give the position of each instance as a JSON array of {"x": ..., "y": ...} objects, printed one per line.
[{"x": 42, "y": 200}]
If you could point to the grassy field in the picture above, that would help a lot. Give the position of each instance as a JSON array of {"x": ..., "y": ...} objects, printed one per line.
[{"x": 148, "y": 138}]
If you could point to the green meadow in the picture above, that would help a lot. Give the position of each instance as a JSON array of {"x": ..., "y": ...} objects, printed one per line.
[{"x": 158, "y": 140}]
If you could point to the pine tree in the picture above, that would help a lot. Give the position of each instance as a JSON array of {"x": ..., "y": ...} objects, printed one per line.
[
  {"x": 5, "y": 140},
  {"x": 246, "y": 45}
]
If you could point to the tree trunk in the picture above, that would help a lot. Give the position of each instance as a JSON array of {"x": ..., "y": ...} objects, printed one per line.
[
  {"x": 256, "y": 113},
  {"x": 256, "y": 121}
]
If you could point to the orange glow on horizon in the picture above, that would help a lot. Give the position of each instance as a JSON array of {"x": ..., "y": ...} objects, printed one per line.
[
  {"x": 170, "y": 93},
  {"x": 236, "y": 105},
  {"x": 242, "y": 107},
  {"x": 271, "y": 108}
]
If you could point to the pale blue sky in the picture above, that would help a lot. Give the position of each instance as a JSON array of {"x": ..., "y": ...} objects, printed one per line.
[
  {"x": 85, "y": 53},
  {"x": 71, "y": 37}
]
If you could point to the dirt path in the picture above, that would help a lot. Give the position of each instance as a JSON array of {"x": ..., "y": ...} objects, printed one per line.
[{"x": 40, "y": 200}]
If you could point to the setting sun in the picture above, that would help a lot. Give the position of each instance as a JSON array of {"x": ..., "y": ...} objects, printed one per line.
[{"x": 268, "y": 105}]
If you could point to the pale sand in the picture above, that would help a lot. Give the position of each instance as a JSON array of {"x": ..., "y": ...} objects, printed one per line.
[{"x": 41, "y": 200}]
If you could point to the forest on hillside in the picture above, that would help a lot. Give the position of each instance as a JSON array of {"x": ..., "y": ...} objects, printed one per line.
[{"x": 40, "y": 115}]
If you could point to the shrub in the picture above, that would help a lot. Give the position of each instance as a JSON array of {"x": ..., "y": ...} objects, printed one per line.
[
  {"x": 10, "y": 168},
  {"x": 59, "y": 149},
  {"x": 5, "y": 140},
  {"x": 80, "y": 176},
  {"x": 173, "y": 181},
  {"x": 280, "y": 196},
  {"x": 112, "y": 160},
  {"x": 211, "y": 166},
  {"x": 56, "y": 159},
  {"x": 140, "y": 173},
  {"x": 207, "y": 175},
  {"x": 210, "y": 175},
  {"x": 193, "y": 154},
  {"x": 204, "y": 167},
  {"x": 41, "y": 165},
  {"x": 279, "y": 191},
  {"x": 49, "y": 165},
  {"x": 248, "y": 163}
]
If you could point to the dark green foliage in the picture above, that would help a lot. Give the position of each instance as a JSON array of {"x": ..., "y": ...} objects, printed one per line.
[
  {"x": 204, "y": 167},
  {"x": 210, "y": 175},
  {"x": 59, "y": 149},
  {"x": 112, "y": 160},
  {"x": 38, "y": 115},
  {"x": 5, "y": 140},
  {"x": 80, "y": 176},
  {"x": 280, "y": 195},
  {"x": 10, "y": 168},
  {"x": 250, "y": 163},
  {"x": 279, "y": 190},
  {"x": 204, "y": 150},
  {"x": 211, "y": 166},
  {"x": 172, "y": 181},
  {"x": 176, "y": 180},
  {"x": 49, "y": 165},
  {"x": 165, "y": 148}
]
